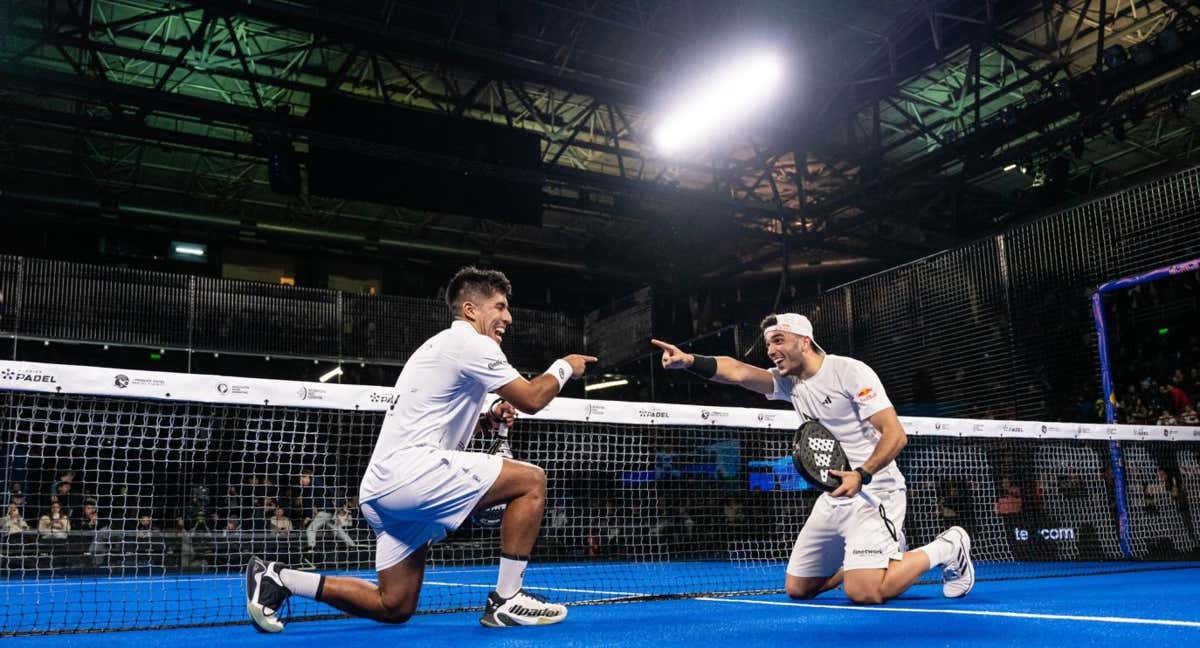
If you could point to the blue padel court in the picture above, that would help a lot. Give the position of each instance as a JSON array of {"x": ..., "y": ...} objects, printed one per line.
[{"x": 1155, "y": 606}]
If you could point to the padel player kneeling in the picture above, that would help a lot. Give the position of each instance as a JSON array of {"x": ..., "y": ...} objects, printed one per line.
[
  {"x": 845, "y": 540},
  {"x": 421, "y": 482}
]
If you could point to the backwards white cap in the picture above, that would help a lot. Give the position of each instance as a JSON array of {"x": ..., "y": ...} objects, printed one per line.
[{"x": 792, "y": 323}]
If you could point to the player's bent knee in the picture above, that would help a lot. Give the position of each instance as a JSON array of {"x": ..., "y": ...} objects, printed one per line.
[
  {"x": 536, "y": 481},
  {"x": 864, "y": 596},
  {"x": 801, "y": 594},
  {"x": 397, "y": 613},
  {"x": 396, "y": 609}
]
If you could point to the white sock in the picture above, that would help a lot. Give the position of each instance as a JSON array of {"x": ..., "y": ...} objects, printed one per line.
[
  {"x": 940, "y": 551},
  {"x": 512, "y": 574},
  {"x": 306, "y": 584}
]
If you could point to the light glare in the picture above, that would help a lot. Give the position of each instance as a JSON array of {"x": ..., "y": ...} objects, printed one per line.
[{"x": 733, "y": 92}]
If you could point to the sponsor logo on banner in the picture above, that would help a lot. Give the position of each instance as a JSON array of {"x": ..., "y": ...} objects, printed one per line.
[
  {"x": 978, "y": 427},
  {"x": 382, "y": 397},
  {"x": 311, "y": 393},
  {"x": 941, "y": 426},
  {"x": 767, "y": 417},
  {"x": 1054, "y": 535},
  {"x": 1167, "y": 432},
  {"x": 239, "y": 390},
  {"x": 1013, "y": 428},
  {"x": 713, "y": 414},
  {"x": 121, "y": 381},
  {"x": 1141, "y": 432},
  {"x": 28, "y": 375},
  {"x": 652, "y": 413},
  {"x": 593, "y": 409}
]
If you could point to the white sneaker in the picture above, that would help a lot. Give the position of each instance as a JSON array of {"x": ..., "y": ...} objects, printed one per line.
[
  {"x": 265, "y": 595},
  {"x": 521, "y": 609},
  {"x": 958, "y": 575}
]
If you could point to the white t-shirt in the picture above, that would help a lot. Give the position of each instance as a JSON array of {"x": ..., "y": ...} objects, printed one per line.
[
  {"x": 842, "y": 395},
  {"x": 439, "y": 395}
]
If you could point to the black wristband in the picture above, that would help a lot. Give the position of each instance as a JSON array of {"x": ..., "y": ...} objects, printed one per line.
[
  {"x": 866, "y": 476},
  {"x": 703, "y": 366}
]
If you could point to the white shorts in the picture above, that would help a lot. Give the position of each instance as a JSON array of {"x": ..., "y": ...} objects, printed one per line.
[
  {"x": 849, "y": 534},
  {"x": 441, "y": 489}
]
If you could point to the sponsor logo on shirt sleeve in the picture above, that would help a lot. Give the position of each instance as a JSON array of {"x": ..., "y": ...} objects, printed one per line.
[{"x": 866, "y": 394}]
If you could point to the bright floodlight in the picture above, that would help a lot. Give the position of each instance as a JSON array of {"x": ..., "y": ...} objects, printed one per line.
[{"x": 727, "y": 96}]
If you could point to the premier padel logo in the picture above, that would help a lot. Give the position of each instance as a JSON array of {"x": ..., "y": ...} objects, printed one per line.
[
  {"x": 121, "y": 381},
  {"x": 652, "y": 414},
  {"x": 33, "y": 375},
  {"x": 382, "y": 397}
]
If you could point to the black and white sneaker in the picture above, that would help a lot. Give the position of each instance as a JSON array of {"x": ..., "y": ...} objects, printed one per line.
[
  {"x": 265, "y": 595},
  {"x": 958, "y": 575},
  {"x": 521, "y": 609}
]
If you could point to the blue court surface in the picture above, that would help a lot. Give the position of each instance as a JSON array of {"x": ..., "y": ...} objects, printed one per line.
[{"x": 1156, "y": 606}]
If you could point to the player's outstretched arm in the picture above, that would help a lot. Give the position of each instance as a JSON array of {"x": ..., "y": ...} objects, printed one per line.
[
  {"x": 530, "y": 396},
  {"x": 728, "y": 370}
]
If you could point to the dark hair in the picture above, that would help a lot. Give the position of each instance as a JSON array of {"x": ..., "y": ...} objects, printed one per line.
[
  {"x": 769, "y": 320},
  {"x": 473, "y": 282},
  {"x": 306, "y": 472}
]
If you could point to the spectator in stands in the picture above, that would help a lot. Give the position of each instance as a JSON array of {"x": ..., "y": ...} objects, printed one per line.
[
  {"x": 1009, "y": 503},
  {"x": 280, "y": 523},
  {"x": 1071, "y": 485},
  {"x": 950, "y": 502},
  {"x": 14, "y": 522},
  {"x": 145, "y": 527},
  {"x": 1175, "y": 397},
  {"x": 88, "y": 517},
  {"x": 67, "y": 498},
  {"x": 342, "y": 521},
  {"x": 54, "y": 525},
  {"x": 261, "y": 519},
  {"x": 1189, "y": 416},
  {"x": 318, "y": 506},
  {"x": 1167, "y": 418},
  {"x": 232, "y": 526}
]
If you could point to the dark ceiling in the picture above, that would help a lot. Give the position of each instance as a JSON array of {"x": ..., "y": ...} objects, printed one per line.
[{"x": 892, "y": 143}]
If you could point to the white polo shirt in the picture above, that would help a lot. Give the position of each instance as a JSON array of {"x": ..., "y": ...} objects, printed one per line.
[
  {"x": 439, "y": 395},
  {"x": 842, "y": 395}
]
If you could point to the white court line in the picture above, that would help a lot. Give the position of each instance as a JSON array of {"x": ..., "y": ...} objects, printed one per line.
[
  {"x": 548, "y": 589},
  {"x": 990, "y": 613}
]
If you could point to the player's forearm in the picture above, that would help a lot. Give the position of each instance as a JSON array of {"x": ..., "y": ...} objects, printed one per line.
[
  {"x": 891, "y": 442},
  {"x": 730, "y": 371},
  {"x": 545, "y": 388}
]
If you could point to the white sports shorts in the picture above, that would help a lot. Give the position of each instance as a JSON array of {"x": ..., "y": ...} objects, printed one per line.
[
  {"x": 850, "y": 534},
  {"x": 441, "y": 489}
]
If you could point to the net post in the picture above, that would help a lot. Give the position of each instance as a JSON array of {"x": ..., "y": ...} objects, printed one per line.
[{"x": 1110, "y": 412}]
